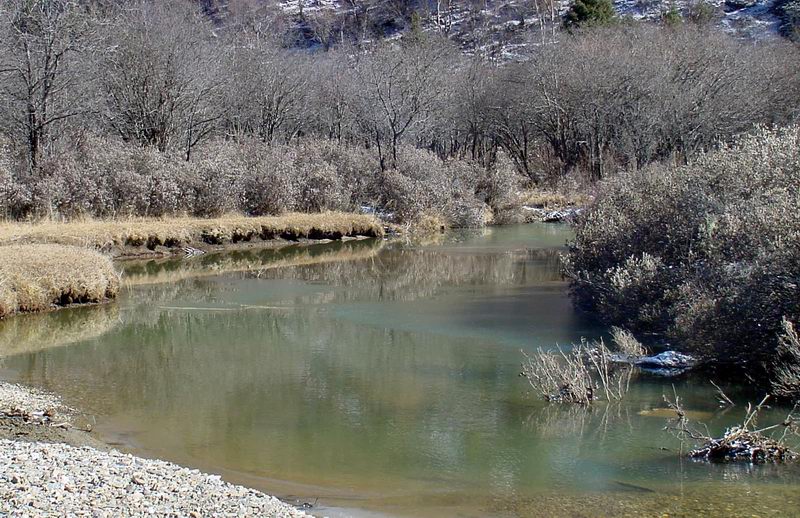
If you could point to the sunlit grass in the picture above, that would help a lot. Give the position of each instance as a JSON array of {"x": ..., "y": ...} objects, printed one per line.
[
  {"x": 142, "y": 233},
  {"x": 37, "y": 277},
  {"x": 549, "y": 199}
]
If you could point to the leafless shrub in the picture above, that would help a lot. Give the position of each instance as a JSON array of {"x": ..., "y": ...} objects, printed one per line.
[
  {"x": 702, "y": 254},
  {"x": 216, "y": 185},
  {"x": 470, "y": 215},
  {"x": 744, "y": 442},
  {"x": 786, "y": 377},
  {"x": 322, "y": 185},
  {"x": 423, "y": 184},
  {"x": 500, "y": 184},
  {"x": 269, "y": 185},
  {"x": 581, "y": 375},
  {"x": 626, "y": 343}
]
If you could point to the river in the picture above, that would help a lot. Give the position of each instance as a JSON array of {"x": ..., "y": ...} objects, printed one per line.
[{"x": 381, "y": 378}]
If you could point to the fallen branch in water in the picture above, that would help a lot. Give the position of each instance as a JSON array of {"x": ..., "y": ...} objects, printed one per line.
[{"x": 745, "y": 442}]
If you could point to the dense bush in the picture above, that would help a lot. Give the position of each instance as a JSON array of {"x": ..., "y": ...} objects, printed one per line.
[
  {"x": 104, "y": 178},
  {"x": 455, "y": 190},
  {"x": 706, "y": 255}
]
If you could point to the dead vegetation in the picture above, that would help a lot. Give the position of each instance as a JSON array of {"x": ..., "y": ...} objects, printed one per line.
[
  {"x": 141, "y": 235},
  {"x": 671, "y": 253},
  {"x": 582, "y": 375},
  {"x": 39, "y": 277},
  {"x": 744, "y": 442},
  {"x": 627, "y": 344},
  {"x": 550, "y": 199},
  {"x": 786, "y": 377}
]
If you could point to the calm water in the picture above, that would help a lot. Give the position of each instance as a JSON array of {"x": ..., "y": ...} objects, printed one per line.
[{"x": 380, "y": 378}]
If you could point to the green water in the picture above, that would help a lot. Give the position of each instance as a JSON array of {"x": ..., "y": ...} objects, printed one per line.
[{"x": 380, "y": 378}]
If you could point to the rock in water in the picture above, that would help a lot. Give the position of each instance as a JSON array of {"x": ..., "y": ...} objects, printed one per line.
[
  {"x": 668, "y": 360},
  {"x": 558, "y": 216}
]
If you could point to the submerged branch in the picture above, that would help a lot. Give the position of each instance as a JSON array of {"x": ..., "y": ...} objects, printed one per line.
[{"x": 745, "y": 442}]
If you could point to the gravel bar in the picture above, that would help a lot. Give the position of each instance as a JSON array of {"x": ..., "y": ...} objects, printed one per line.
[
  {"x": 41, "y": 479},
  {"x": 24, "y": 399},
  {"x": 41, "y": 476}
]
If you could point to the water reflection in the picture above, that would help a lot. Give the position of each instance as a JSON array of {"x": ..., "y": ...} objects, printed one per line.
[
  {"x": 159, "y": 271},
  {"x": 37, "y": 332},
  {"x": 388, "y": 379}
]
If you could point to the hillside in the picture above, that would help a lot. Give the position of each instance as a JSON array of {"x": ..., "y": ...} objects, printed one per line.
[{"x": 498, "y": 28}]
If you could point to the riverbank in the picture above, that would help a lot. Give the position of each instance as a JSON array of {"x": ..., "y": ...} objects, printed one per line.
[
  {"x": 48, "y": 265},
  {"x": 143, "y": 238},
  {"x": 38, "y": 277},
  {"x": 47, "y": 466}
]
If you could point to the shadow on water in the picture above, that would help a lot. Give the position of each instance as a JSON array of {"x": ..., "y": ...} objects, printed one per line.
[{"x": 383, "y": 377}]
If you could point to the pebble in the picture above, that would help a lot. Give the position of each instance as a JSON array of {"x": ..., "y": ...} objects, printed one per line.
[
  {"x": 39, "y": 405},
  {"x": 113, "y": 484}
]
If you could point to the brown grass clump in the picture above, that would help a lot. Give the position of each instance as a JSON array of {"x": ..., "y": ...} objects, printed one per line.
[
  {"x": 547, "y": 199},
  {"x": 39, "y": 277},
  {"x": 142, "y": 235},
  {"x": 426, "y": 224},
  {"x": 627, "y": 344}
]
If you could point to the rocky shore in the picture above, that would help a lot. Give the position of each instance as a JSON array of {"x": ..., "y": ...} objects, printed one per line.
[{"x": 50, "y": 468}]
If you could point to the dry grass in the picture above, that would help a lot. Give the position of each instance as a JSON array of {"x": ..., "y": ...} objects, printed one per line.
[
  {"x": 127, "y": 237},
  {"x": 627, "y": 344},
  {"x": 547, "y": 199},
  {"x": 38, "y": 277},
  {"x": 427, "y": 224},
  {"x": 581, "y": 375}
]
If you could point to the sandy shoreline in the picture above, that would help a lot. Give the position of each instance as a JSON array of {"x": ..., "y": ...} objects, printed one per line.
[{"x": 48, "y": 467}]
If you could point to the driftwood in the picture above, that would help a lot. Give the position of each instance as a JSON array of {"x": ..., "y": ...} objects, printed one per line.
[{"x": 744, "y": 442}]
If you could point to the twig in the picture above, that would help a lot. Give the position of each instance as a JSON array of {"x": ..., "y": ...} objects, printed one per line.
[{"x": 725, "y": 399}]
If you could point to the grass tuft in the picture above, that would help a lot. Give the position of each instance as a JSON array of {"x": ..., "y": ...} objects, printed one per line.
[{"x": 38, "y": 277}]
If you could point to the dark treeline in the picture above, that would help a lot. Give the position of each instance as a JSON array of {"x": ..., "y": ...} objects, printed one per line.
[{"x": 92, "y": 91}]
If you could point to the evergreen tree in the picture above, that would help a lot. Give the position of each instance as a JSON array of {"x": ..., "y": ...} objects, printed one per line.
[
  {"x": 586, "y": 13},
  {"x": 672, "y": 17}
]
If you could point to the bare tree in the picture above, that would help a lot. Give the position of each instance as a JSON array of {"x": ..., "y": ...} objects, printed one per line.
[
  {"x": 401, "y": 91},
  {"x": 331, "y": 97},
  {"x": 39, "y": 75},
  {"x": 156, "y": 75},
  {"x": 266, "y": 93}
]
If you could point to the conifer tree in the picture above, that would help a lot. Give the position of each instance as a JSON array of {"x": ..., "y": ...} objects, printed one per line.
[{"x": 585, "y": 13}]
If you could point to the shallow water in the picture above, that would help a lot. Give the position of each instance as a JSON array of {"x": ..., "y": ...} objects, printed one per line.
[{"x": 381, "y": 378}]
